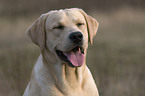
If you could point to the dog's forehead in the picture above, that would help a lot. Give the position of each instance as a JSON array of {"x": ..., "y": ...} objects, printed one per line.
[
  {"x": 74, "y": 14},
  {"x": 67, "y": 14}
]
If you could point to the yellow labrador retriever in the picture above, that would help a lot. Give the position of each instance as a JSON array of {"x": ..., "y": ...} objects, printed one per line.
[{"x": 61, "y": 69}]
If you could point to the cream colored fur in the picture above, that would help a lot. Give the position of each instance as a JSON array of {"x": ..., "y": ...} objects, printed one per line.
[{"x": 51, "y": 76}]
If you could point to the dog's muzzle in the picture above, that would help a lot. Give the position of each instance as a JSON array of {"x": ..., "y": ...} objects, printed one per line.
[{"x": 75, "y": 56}]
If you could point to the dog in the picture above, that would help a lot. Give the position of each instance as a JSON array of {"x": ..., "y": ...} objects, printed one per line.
[{"x": 63, "y": 36}]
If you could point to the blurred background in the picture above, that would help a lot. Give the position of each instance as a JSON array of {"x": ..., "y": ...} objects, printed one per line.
[{"x": 116, "y": 59}]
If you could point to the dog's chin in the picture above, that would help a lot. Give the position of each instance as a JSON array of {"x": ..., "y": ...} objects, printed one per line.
[{"x": 74, "y": 57}]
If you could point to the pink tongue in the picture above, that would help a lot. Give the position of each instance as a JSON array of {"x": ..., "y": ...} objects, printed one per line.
[{"x": 76, "y": 58}]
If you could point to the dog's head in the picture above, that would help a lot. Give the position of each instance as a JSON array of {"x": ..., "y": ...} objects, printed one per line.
[{"x": 65, "y": 33}]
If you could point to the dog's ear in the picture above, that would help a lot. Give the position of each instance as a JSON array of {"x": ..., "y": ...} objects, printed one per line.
[
  {"x": 36, "y": 32},
  {"x": 92, "y": 25}
]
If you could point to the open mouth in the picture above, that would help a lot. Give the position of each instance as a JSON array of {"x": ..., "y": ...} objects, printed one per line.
[{"x": 74, "y": 58}]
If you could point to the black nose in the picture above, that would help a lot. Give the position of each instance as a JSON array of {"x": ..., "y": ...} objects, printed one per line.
[{"x": 76, "y": 37}]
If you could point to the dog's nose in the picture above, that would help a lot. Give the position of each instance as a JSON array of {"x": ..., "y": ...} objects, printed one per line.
[{"x": 76, "y": 37}]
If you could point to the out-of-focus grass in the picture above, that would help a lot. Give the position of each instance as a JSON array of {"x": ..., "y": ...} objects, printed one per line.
[
  {"x": 116, "y": 58},
  {"x": 17, "y": 56}
]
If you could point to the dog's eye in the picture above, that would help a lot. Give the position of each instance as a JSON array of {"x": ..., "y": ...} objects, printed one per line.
[
  {"x": 58, "y": 27},
  {"x": 80, "y": 24}
]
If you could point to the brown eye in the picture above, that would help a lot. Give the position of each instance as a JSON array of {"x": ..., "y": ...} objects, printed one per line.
[
  {"x": 59, "y": 27},
  {"x": 80, "y": 24}
]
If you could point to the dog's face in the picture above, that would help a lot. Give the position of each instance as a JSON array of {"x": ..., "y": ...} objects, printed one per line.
[
  {"x": 66, "y": 33},
  {"x": 66, "y": 30}
]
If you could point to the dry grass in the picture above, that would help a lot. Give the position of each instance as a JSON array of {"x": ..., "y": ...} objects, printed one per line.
[{"x": 116, "y": 59}]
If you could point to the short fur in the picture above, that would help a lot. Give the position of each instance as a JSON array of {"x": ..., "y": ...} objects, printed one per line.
[{"x": 51, "y": 76}]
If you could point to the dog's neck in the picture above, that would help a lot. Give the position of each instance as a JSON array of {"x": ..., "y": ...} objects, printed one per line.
[{"x": 61, "y": 73}]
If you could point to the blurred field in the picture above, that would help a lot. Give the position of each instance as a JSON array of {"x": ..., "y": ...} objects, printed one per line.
[{"x": 116, "y": 59}]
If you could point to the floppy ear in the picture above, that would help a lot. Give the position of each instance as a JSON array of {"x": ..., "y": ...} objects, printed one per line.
[
  {"x": 92, "y": 25},
  {"x": 36, "y": 32}
]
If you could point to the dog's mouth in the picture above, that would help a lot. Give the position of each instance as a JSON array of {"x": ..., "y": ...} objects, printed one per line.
[{"x": 74, "y": 57}]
